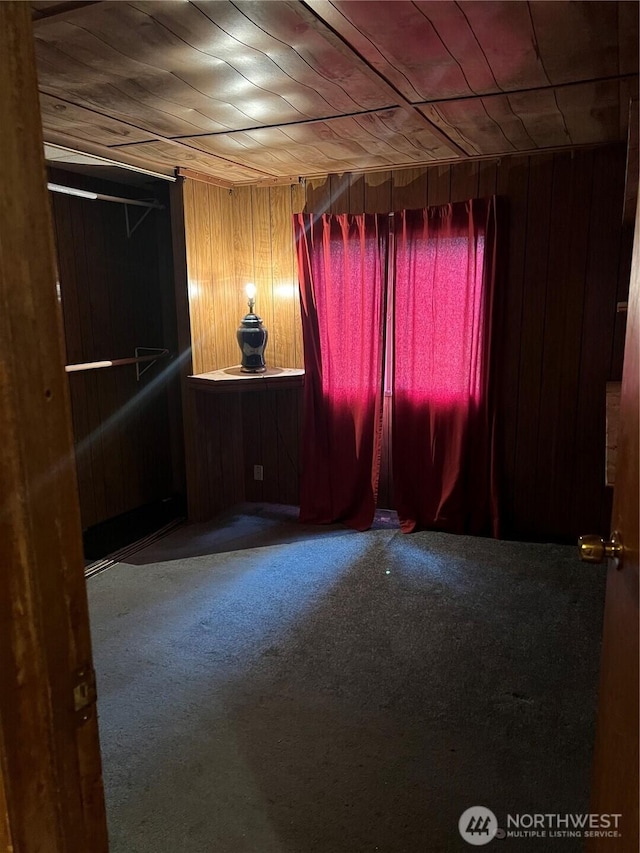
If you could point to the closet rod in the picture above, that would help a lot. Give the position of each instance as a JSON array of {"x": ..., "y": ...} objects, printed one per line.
[
  {"x": 116, "y": 362},
  {"x": 59, "y": 188}
]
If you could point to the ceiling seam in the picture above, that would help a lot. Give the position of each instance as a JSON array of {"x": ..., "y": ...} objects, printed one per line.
[{"x": 405, "y": 104}]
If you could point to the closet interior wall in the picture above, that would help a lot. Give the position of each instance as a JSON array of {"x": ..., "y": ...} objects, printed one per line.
[{"x": 117, "y": 293}]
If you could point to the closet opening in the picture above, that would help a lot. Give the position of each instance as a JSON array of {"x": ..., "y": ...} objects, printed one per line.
[{"x": 116, "y": 293}]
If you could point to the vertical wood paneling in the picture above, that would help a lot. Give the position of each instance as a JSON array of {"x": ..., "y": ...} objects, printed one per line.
[
  {"x": 318, "y": 194},
  {"x": 91, "y": 513},
  {"x": 233, "y": 238},
  {"x": 513, "y": 184},
  {"x": 232, "y": 462},
  {"x": 197, "y": 482},
  {"x": 561, "y": 486},
  {"x": 229, "y": 316},
  {"x": 356, "y": 195},
  {"x": 439, "y": 191},
  {"x": 271, "y": 424},
  {"x": 122, "y": 307},
  {"x": 487, "y": 177},
  {"x": 269, "y": 455},
  {"x": 89, "y": 446},
  {"x": 233, "y": 431},
  {"x": 261, "y": 212},
  {"x": 339, "y": 193},
  {"x": 99, "y": 315},
  {"x": 184, "y": 352},
  {"x": 298, "y": 196},
  {"x": 409, "y": 191},
  {"x": 464, "y": 181},
  {"x": 532, "y": 335},
  {"x": 199, "y": 274},
  {"x": 252, "y": 443},
  {"x": 210, "y": 455},
  {"x": 285, "y": 325},
  {"x": 61, "y": 211},
  {"x": 377, "y": 192},
  {"x": 171, "y": 339},
  {"x": 553, "y": 407},
  {"x": 219, "y": 480},
  {"x": 566, "y": 266},
  {"x": 288, "y": 436},
  {"x": 597, "y": 334},
  {"x": 221, "y": 264},
  {"x": 224, "y": 450}
]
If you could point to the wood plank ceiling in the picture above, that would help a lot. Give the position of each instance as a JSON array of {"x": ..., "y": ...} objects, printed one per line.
[{"x": 265, "y": 92}]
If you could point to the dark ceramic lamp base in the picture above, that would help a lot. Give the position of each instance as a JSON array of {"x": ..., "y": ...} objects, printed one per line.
[{"x": 252, "y": 340}]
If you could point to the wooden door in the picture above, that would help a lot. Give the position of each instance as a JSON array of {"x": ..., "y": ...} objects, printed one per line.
[
  {"x": 51, "y": 797},
  {"x": 615, "y": 783}
]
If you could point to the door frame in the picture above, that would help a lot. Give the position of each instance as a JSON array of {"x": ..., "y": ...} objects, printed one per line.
[
  {"x": 51, "y": 794},
  {"x": 615, "y": 780}
]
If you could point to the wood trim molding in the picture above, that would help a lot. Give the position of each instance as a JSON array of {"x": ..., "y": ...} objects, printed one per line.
[
  {"x": 193, "y": 175},
  {"x": 49, "y": 750},
  {"x": 478, "y": 158}
]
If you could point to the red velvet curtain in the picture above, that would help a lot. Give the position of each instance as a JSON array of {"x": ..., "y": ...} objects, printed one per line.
[
  {"x": 342, "y": 272},
  {"x": 442, "y": 413}
]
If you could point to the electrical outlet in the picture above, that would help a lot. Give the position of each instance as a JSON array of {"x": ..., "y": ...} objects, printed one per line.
[{"x": 258, "y": 472}]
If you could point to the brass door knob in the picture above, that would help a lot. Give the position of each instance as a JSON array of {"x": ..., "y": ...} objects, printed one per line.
[{"x": 595, "y": 549}]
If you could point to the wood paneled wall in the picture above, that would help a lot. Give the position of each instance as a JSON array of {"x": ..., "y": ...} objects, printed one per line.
[
  {"x": 235, "y": 430},
  {"x": 568, "y": 261},
  {"x": 234, "y": 237},
  {"x": 561, "y": 339},
  {"x": 117, "y": 293}
]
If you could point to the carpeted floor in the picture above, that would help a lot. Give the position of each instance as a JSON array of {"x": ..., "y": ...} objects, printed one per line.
[{"x": 271, "y": 688}]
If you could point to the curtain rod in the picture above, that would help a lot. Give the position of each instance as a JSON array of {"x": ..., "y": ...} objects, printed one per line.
[{"x": 59, "y": 188}]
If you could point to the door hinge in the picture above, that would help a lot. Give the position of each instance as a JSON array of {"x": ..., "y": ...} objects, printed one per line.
[{"x": 84, "y": 693}]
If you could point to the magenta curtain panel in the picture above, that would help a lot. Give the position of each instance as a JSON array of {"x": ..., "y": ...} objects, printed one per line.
[
  {"x": 443, "y": 447},
  {"x": 342, "y": 273}
]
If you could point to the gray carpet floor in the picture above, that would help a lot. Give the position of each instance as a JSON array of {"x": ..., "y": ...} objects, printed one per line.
[{"x": 266, "y": 687}]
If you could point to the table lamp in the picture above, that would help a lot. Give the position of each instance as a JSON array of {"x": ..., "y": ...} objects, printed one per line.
[{"x": 252, "y": 337}]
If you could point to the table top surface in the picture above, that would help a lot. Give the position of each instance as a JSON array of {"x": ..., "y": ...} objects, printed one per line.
[
  {"x": 231, "y": 373},
  {"x": 232, "y": 378}
]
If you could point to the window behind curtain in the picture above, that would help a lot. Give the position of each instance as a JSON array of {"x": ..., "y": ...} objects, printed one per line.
[
  {"x": 440, "y": 279},
  {"x": 442, "y": 435},
  {"x": 439, "y": 317}
]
